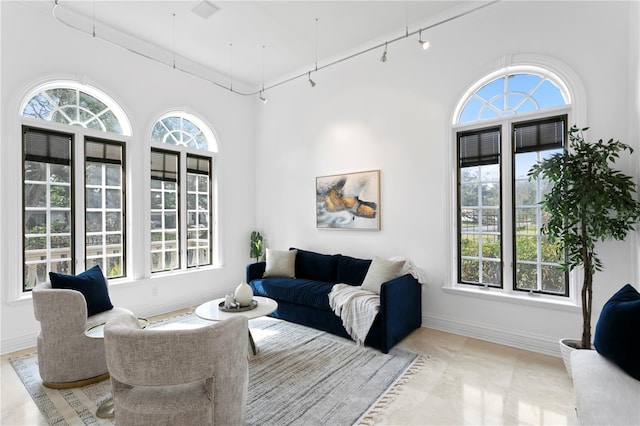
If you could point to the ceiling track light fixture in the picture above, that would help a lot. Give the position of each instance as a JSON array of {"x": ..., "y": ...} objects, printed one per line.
[
  {"x": 311, "y": 82},
  {"x": 316, "y": 47},
  {"x": 262, "y": 97},
  {"x": 424, "y": 43},
  {"x": 93, "y": 18},
  {"x": 287, "y": 80},
  {"x": 231, "y": 67},
  {"x": 174, "y": 41}
]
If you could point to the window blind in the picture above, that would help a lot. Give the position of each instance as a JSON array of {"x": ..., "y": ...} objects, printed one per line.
[
  {"x": 164, "y": 166},
  {"x": 198, "y": 165},
  {"x": 47, "y": 147},
  {"x": 480, "y": 147},
  {"x": 103, "y": 152},
  {"x": 539, "y": 135}
]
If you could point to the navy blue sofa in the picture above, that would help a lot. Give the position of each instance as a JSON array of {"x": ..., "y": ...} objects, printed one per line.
[{"x": 305, "y": 298}]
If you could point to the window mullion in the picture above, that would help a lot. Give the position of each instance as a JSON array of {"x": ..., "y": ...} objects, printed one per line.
[
  {"x": 508, "y": 208},
  {"x": 79, "y": 190},
  {"x": 182, "y": 213}
]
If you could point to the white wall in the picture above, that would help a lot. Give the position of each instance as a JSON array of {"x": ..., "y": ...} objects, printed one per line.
[
  {"x": 394, "y": 116},
  {"x": 35, "y": 48}
]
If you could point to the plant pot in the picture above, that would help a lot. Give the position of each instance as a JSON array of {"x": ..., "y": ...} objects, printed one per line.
[{"x": 567, "y": 346}]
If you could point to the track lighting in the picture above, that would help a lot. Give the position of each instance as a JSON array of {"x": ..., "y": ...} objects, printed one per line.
[
  {"x": 262, "y": 98},
  {"x": 423, "y": 43},
  {"x": 311, "y": 82}
]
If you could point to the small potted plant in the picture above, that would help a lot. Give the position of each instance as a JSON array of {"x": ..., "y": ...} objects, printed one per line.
[
  {"x": 589, "y": 202},
  {"x": 257, "y": 246}
]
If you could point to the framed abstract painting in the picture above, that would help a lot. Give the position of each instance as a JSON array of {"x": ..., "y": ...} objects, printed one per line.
[{"x": 348, "y": 201}]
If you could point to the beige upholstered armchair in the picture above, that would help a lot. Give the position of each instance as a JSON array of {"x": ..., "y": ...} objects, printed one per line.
[
  {"x": 195, "y": 376},
  {"x": 66, "y": 357}
]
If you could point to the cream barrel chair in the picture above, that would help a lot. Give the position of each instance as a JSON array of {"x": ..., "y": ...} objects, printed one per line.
[
  {"x": 67, "y": 358},
  {"x": 196, "y": 376}
]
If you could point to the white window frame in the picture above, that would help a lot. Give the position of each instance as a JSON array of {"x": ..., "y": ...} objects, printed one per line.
[
  {"x": 184, "y": 151},
  {"x": 80, "y": 135},
  {"x": 573, "y": 90}
]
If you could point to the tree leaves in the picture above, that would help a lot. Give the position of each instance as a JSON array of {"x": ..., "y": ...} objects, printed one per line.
[{"x": 590, "y": 201}]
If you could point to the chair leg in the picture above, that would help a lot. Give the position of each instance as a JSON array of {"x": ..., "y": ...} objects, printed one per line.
[
  {"x": 77, "y": 383},
  {"x": 252, "y": 345}
]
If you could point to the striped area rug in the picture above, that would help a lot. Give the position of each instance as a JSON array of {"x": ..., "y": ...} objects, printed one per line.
[{"x": 301, "y": 376}]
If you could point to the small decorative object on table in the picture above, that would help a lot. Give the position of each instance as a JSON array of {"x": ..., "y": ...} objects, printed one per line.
[
  {"x": 244, "y": 294},
  {"x": 235, "y": 307},
  {"x": 229, "y": 301}
]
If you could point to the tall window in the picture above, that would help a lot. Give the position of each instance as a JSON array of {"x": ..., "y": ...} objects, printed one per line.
[
  {"x": 164, "y": 211},
  {"x": 182, "y": 211},
  {"x": 502, "y": 130},
  {"x": 536, "y": 259},
  {"x": 50, "y": 180},
  {"x": 480, "y": 236},
  {"x": 47, "y": 195},
  {"x": 198, "y": 211},
  {"x": 105, "y": 202}
]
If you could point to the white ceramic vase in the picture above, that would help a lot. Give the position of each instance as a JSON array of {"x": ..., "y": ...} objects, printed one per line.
[{"x": 244, "y": 294}]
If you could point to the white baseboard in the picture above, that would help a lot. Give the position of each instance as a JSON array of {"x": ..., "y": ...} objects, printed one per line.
[
  {"x": 535, "y": 343},
  {"x": 18, "y": 343},
  {"x": 529, "y": 342}
]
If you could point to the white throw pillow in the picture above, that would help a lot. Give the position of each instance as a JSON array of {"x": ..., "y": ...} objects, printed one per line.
[
  {"x": 380, "y": 271},
  {"x": 281, "y": 263}
]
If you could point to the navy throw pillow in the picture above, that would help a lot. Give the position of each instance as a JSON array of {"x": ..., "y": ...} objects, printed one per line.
[
  {"x": 315, "y": 266},
  {"x": 617, "y": 336},
  {"x": 91, "y": 283},
  {"x": 352, "y": 270}
]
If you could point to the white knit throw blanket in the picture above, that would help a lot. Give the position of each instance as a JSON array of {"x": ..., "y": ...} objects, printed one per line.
[{"x": 356, "y": 307}]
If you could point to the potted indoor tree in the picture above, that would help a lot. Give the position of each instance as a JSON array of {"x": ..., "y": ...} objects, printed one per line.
[
  {"x": 589, "y": 201},
  {"x": 257, "y": 246}
]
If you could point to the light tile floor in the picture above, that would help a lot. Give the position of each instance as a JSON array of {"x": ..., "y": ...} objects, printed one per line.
[
  {"x": 464, "y": 382},
  {"x": 472, "y": 382}
]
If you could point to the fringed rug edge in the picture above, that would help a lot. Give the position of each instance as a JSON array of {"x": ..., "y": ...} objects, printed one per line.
[{"x": 378, "y": 409}]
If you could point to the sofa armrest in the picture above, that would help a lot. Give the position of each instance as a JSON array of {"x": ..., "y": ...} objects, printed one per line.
[
  {"x": 604, "y": 393},
  {"x": 255, "y": 270},
  {"x": 400, "y": 309}
]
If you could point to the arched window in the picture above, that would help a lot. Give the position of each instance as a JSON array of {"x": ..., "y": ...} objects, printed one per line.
[
  {"x": 50, "y": 162},
  {"x": 182, "y": 192},
  {"x": 76, "y": 105},
  {"x": 504, "y": 124},
  {"x": 513, "y": 92},
  {"x": 183, "y": 130}
]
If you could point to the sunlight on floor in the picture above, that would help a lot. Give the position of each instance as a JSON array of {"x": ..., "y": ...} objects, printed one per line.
[{"x": 533, "y": 414}]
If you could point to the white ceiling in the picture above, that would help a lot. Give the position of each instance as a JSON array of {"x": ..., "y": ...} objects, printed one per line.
[{"x": 231, "y": 41}]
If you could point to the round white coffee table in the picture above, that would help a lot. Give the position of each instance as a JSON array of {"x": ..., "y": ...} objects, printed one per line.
[{"x": 211, "y": 311}]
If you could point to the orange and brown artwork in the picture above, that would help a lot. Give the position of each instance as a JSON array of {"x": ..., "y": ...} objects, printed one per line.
[{"x": 348, "y": 201}]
